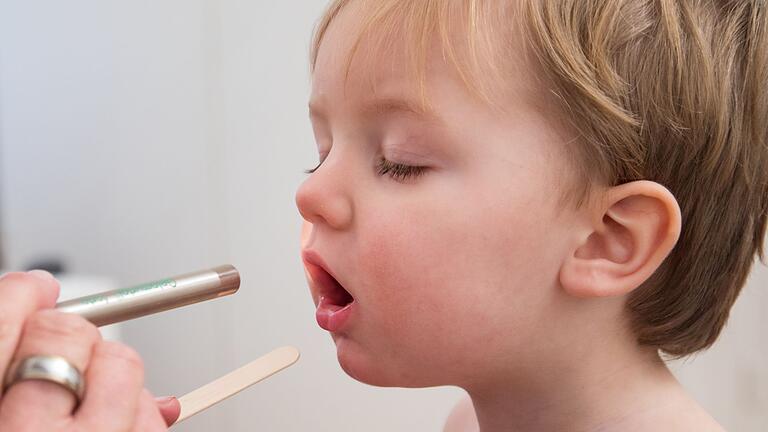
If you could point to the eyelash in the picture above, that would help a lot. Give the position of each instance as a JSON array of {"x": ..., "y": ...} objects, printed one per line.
[{"x": 396, "y": 171}]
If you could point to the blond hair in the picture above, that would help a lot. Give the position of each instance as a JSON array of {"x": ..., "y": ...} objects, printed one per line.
[{"x": 663, "y": 90}]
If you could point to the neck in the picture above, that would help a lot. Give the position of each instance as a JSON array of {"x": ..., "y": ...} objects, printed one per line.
[{"x": 599, "y": 389}]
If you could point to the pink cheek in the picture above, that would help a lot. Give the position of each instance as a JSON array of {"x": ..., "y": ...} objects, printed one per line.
[
  {"x": 382, "y": 268},
  {"x": 402, "y": 268},
  {"x": 387, "y": 275}
]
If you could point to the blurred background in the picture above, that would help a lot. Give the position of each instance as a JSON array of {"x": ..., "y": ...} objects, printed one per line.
[{"x": 144, "y": 139}]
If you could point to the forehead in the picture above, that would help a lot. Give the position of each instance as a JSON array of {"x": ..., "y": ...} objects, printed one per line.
[
  {"x": 352, "y": 63},
  {"x": 361, "y": 53}
]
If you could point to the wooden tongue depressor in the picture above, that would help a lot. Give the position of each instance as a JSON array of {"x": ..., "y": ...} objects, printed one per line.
[{"x": 236, "y": 381}]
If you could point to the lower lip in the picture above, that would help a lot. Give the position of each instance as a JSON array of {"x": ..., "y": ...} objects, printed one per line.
[{"x": 332, "y": 317}]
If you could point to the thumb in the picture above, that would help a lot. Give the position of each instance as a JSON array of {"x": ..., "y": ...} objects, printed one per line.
[{"x": 169, "y": 407}]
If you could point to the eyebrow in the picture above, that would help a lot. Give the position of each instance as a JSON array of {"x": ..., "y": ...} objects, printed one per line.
[
  {"x": 386, "y": 106},
  {"x": 396, "y": 106}
]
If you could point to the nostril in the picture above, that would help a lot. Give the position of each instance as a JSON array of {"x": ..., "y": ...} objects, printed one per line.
[
  {"x": 305, "y": 203},
  {"x": 326, "y": 197},
  {"x": 324, "y": 202}
]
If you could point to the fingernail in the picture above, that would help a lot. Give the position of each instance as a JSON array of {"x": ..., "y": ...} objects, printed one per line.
[
  {"x": 41, "y": 274},
  {"x": 164, "y": 399}
]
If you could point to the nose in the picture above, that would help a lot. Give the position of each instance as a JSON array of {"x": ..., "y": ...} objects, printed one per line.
[{"x": 324, "y": 197}]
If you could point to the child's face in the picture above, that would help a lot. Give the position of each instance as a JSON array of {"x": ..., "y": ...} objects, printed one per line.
[{"x": 453, "y": 268}]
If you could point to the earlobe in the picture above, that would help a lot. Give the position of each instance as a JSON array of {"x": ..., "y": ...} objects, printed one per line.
[{"x": 632, "y": 231}]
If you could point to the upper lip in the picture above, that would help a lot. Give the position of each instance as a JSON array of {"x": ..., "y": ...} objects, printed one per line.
[{"x": 319, "y": 273}]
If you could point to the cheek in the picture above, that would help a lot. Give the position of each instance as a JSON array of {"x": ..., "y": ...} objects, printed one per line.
[
  {"x": 425, "y": 273},
  {"x": 411, "y": 298},
  {"x": 397, "y": 267},
  {"x": 428, "y": 267}
]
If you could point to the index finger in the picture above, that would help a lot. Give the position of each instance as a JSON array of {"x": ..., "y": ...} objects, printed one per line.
[{"x": 20, "y": 295}]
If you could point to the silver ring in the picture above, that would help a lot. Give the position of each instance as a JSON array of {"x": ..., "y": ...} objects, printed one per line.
[{"x": 55, "y": 369}]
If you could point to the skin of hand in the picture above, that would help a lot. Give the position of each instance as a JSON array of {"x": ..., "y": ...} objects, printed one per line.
[{"x": 115, "y": 398}]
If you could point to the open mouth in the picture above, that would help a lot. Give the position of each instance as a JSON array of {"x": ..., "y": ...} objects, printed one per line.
[
  {"x": 335, "y": 303},
  {"x": 334, "y": 307},
  {"x": 334, "y": 294}
]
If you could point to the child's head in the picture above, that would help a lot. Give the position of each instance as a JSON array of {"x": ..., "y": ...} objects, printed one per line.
[{"x": 500, "y": 179}]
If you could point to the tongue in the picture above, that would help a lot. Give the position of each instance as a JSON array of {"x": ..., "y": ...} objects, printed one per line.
[{"x": 331, "y": 316}]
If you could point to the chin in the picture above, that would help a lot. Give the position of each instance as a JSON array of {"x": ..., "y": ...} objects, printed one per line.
[
  {"x": 359, "y": 364},
  {"x": 376, "y": 370}
]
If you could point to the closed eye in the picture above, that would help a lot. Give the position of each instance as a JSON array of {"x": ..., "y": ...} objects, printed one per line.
[
  {"x": 311, "y": 170},
  {"x": 396, "y": 171}
]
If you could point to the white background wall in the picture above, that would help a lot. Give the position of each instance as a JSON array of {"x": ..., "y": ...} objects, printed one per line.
[{"x": 141, "y": 139}]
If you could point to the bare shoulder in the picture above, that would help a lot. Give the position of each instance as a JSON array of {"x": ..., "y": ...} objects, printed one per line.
[{"x": 462, "y": 417}]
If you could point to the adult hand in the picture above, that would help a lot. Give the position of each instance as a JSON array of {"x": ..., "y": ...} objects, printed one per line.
[{"x": 115, "y": 398}]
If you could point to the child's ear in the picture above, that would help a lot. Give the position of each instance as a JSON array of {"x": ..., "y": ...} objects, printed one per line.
[{"x": 632, "y": 230}]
